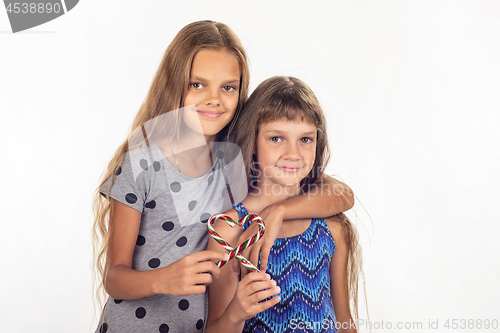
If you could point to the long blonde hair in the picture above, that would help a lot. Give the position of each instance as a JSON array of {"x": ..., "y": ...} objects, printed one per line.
[
  {"x": 288, "y": 97},
  {"x": 166, "y": 93},
  {"x": 354, "y": 262}
]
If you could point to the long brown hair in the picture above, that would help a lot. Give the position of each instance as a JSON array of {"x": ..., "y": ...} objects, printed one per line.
[
  {"x": 288, "y": 97},
  {"x": 167, "y": 91}
]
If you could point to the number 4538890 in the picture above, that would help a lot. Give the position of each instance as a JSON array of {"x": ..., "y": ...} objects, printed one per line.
[
  {"x": 471, "y": 324},
  {"x": 33, "y": 7}
]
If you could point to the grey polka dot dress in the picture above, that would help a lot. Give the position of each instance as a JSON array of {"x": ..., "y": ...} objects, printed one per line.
[{"x": 175, "y": 209}]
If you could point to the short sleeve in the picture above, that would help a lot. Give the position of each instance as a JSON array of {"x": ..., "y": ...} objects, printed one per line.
[{"x": 129, "y": 183}]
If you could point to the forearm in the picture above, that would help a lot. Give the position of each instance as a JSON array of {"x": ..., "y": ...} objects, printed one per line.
[
  {"x": 224, "y": 324},
  {"x": 345, "y": 324},
  {"x": 122, "y": 282},
  {"x": 328, "y": 198}
]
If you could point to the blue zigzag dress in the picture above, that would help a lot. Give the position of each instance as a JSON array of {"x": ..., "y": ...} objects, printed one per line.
[{"x": 300, "y": 266}]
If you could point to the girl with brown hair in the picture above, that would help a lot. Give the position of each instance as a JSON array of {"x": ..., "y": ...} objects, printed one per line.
[{"x": 314, "y": 263}]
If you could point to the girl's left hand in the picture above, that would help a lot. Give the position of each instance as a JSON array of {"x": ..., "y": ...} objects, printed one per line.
[{"x": 273, "y": 218}]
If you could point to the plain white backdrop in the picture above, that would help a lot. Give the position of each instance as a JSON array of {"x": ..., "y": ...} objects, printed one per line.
[{"x": 411, "y": 92}]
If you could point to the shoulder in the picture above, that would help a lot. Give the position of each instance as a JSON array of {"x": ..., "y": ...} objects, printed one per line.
[
  {"x": 138, "y": 160},
  {"x": 335, "y": 224}
]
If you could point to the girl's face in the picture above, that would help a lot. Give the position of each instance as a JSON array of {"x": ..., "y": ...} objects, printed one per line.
[
  {"x": 286, "y": 151},
  {"x": 214, "y": 84}
]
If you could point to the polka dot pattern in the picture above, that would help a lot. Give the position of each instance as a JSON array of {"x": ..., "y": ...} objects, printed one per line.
[
  {"x": 154, "y": 263},
  {"x": 183, "y": 304},
  {"x": 134, "y": 187},
  {"x": 181, "y": 241},
  {"x": 140, "y": 240},
  {"x": 104, "y": 328},
  {"x": 140, "y": 313},
  {"x": 204, "y": 217},
  {"x": 131, "y": 198},
  {"x": 168, "y": 226},
  {"x": 175, "y": 187},
  {"x": 156, "y": 166}
]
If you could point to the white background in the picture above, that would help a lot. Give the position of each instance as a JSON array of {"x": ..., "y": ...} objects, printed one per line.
[{"x": 411, "y": 92}]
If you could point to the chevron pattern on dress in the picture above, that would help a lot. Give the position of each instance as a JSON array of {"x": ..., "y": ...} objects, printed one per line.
[{"x": 300, "y": 266}]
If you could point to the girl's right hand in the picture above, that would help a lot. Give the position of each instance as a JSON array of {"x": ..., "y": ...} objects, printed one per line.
[
  {"x": 252, "y": 289},
  {"x": 190, "y": 274}
]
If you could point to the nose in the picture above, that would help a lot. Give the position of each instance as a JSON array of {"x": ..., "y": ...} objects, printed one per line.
[
  {"x": 212, "y": 97},
  {"x": 292, "y": 151}
]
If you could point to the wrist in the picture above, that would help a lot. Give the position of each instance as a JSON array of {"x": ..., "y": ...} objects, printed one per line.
[
  {"x": 155, "y": 283},
  {"x": 277, "y": 209},
  {"x": 232, "y": 319}
]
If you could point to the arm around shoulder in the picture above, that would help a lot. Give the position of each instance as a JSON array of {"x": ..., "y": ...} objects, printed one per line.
[{"x": 329, "y": 197}]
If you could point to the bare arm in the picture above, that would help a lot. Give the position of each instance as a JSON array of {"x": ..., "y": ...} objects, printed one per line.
[
  {"x": 338, "y": 278},
  {"x": 186, "y": 276},
  {"x": 329, "y": 198},
  {"x": 231, "y": 301}
]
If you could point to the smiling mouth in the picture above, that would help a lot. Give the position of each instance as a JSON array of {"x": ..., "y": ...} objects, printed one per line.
[
  {"x": 210, "y": 115},
  {"x": 289, "y": 169}
]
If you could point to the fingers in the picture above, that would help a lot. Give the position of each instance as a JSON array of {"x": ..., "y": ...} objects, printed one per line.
[
  {"x": 265, "y": 294},
  {"x": 210, "y": 255},
  {"x": 254, "y": 253},
  {"x": 207, "y": 267},
  {"x": 255, "y": 276},
  {"x": 264, "y": 256},
  {"x": 243, "y": 271},
  {"x": 198, "y": 289},
  {"x": 204, "y": 262},
  {"x": 262, "y": 306},
  {"x": 257, "y": 287}
]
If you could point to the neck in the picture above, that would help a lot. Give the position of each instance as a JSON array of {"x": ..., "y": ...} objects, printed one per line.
[{"x": 189, "y": 154}]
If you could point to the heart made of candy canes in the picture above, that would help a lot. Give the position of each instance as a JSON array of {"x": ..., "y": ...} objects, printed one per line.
[{"x": 236, "y": 252}]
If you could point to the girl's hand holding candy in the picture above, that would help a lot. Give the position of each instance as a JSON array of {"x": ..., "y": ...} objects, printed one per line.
[
  {"x": 190, "y": 274},
  {"x": 252, "y": 290}
]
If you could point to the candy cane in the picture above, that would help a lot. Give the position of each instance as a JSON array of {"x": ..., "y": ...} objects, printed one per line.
[{"x": 236, "y": 252}]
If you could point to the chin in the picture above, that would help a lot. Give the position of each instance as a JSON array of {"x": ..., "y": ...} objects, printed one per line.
[{"x": 289, "y": 185}]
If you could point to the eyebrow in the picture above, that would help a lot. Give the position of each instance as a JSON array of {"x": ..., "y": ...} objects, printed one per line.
[
  {"x": 202, "y": 79},
  {"x": 284, "y": 132}
]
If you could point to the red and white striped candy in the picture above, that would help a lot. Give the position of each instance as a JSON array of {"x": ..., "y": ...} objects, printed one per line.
[{"x": 236, "y": 252}]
